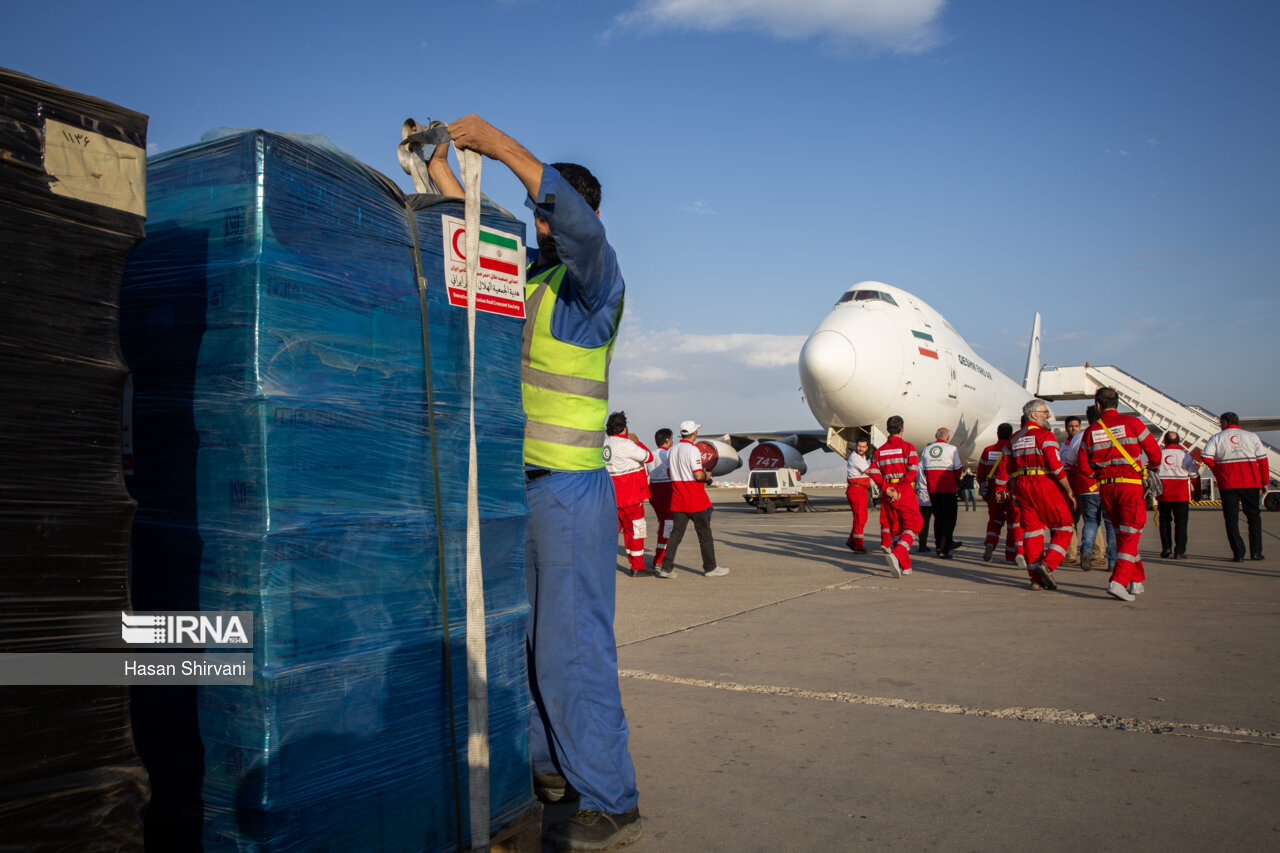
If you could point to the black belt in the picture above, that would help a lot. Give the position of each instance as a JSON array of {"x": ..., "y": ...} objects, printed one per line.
[{"x": 535, "y": 473}]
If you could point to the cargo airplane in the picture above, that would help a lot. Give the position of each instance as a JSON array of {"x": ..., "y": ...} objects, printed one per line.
[{"x": 880, "y": 352}]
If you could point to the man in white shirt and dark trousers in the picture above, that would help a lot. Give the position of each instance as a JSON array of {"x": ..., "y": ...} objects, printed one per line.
[
  {"x": 940, "y": 464},
  {"x": 1239, "y": 464},
  {"x": 689, "y": 502}
]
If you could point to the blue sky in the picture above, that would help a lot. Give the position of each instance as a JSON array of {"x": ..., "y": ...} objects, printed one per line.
[{"x": 1111, "y": 165}]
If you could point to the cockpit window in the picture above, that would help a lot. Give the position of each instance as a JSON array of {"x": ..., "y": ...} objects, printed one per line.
[{"x": 867, "y": 296}]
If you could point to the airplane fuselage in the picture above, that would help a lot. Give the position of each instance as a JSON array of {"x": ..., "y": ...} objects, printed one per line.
[{"x": 882, "y": 351}]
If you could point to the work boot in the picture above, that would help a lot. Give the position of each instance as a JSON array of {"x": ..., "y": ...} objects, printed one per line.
[
  {"x": 987, "y": 551},
  {"x": 593, "y": 830},
  {"x": 1086, "y": 562},
  {"x": 552, "y": 788},
  {"x": 1045, "y": 576}
]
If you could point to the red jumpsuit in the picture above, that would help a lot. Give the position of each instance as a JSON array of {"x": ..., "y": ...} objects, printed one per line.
[
  {"x": 1029, "y": 469},
  {"x": 894, "y": 464},
  {"x": 625, "y": 461},
  {"x": 999, "y": 511},
  {"x": 1120, "y": 484},
  {"x": 660, "y": 500},
  {"x": 857, "y": 492}
]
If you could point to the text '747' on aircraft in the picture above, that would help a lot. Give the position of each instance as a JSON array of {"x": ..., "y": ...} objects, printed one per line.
[{"x": 882, "y": 351}]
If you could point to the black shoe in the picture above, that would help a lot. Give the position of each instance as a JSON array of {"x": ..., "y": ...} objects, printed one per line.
[
  {"x": 859, "y": 550},
  {"x": 946, "y": 556},
  {"x": 1182, "y": 556},
  {"x": 854, "y": 548},
  {"x": 593, "y": 830},
  {"x": 1255, "y": 557},
  {"x": 922, "y": 550},
  {"x": 1164, "y": 554},
  {"x": 955, "y": 543},
  {"x": 1045, "y": 576},
  {"x": 1237, "y": 559},
  {"x": 552, "y": 788}
]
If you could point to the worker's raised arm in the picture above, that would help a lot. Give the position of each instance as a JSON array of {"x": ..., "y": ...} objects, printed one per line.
[
  {"x": 475, "y": 134},
  {"x": 440, "y": 173}
]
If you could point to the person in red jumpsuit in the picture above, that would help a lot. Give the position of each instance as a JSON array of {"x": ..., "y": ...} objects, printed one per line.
[
  {"x": 660, "y": 494},
  {"x": 624, "y": 459},
  {"x": 893, "y": 470},
  {"x": 1032, "y": 471},
  {"x": 999, "y": 512},
  {"x": 857, "y": 494},
  {"x": 1111, "y": 452}
]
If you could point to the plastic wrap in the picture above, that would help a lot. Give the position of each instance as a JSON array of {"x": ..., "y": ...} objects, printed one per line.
[
  {"x": 285, "y": 464},
  {"x": 70, "y": 190}
]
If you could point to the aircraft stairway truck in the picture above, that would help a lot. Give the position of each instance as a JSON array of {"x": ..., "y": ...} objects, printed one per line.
[{"x": 1195, "y": 424}]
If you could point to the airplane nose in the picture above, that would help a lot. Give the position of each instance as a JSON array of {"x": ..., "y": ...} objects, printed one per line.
[{"x": 826, "y": 361}]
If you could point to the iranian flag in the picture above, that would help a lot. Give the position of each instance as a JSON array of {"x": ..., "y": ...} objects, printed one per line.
[{"x": 499, "y": 253}]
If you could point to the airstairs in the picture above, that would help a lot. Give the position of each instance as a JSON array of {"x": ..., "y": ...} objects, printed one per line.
[{"x": 1194, "y": 424}]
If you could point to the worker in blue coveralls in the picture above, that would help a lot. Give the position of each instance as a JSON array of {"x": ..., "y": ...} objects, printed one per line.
[{"x": 573, "y": 304}]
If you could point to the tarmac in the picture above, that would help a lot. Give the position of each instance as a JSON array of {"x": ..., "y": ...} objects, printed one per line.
[{"x": 809, "y": 701}]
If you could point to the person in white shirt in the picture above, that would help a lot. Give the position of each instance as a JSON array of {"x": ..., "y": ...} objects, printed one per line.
[
  {"x": 625, "y": 459},
  {"x": 940, "y": 464},
  {"x": 856, "y": 493},
  {"x": 689, "y": 502}
]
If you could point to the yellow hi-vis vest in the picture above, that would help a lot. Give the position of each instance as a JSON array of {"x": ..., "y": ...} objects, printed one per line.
[{"x": 565, "y": 387}]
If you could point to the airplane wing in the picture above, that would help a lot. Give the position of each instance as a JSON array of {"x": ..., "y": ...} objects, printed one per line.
[
  {"x": 1260, "y": 424},
  {"x": 803, "y": 440}
]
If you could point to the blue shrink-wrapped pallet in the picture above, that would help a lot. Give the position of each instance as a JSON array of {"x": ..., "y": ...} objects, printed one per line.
[{"x": 286, "y": 459}]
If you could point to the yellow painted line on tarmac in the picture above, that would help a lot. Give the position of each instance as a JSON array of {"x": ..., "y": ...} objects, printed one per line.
[{"x": 1053, "y": 716}]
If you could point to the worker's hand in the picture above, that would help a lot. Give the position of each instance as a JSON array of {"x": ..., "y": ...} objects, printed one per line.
[
  {"x": 633, "y": 436},
  {"x": 892, "y": 494},
  {"x": 474, "y": 133}
]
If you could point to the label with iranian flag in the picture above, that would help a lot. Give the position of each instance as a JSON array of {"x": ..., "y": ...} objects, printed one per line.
[{"x": 500, "y": 277}]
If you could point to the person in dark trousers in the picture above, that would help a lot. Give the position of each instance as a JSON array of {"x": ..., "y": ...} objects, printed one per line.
[
  {"x": 1239, "y": 464},
  {"x": 1180, "y": 484},
  {"x": 689, "y": 502}
]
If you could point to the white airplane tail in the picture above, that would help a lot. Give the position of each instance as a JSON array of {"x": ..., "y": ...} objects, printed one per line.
[{"x": 1031, "y": 379}]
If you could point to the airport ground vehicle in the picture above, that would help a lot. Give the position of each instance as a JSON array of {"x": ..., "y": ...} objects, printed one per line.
[{"x": 769, "y": 489}]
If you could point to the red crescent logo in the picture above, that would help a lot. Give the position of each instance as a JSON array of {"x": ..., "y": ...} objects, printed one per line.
[
  {"x": 457, "y": 235},
  {"x": 1233, "y": 438}
]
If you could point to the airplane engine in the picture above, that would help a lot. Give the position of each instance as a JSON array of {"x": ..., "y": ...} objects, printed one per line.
[
  {"x": 718, "y": 457},
  {"x": 773, "y": 454}
]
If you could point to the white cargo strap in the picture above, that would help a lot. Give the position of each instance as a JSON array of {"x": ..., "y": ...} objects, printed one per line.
[{"x": 477, "y": 662}]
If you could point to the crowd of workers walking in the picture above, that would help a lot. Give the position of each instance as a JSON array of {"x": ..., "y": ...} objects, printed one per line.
[{"x": 1039, "y": 489}]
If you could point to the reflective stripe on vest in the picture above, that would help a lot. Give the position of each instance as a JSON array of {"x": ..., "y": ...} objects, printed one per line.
[{"x": 565, "y": 387}]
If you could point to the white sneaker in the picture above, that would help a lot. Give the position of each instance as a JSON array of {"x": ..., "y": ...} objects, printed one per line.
[
  {"x": 1115, "y": 590},
  {"x": 666, "y": 573},
  {"x": 885, "y": 549},
  {"x": 717, "y": 572},
  {"x": 987, "y": 552},
  {"x": 1136, "y": 588},
  {"x": 892, "y": 560},
  {"x": 1021, "y": 561},
  {"x": 906, "y": 572}
]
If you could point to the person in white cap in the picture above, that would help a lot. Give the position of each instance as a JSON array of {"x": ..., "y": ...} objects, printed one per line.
[{"x": 689, "y": 502}]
